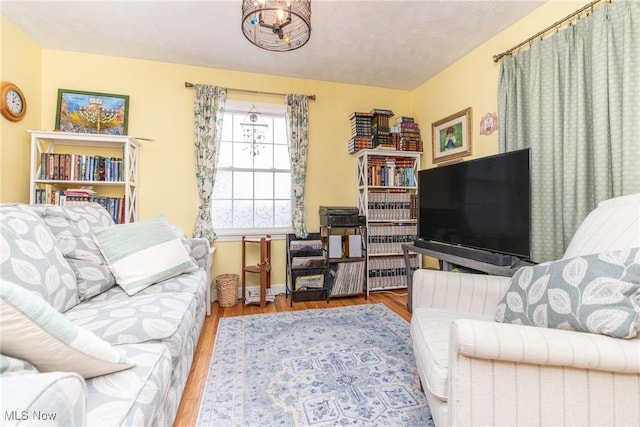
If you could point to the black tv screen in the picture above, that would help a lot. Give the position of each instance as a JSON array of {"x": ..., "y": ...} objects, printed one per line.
[{"x": 482, "y": 204}]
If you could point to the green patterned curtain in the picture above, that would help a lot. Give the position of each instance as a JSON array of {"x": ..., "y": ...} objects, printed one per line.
[
  {"x": 574, "y": 98},
  {"x": 208, "y": 109},
  {"x": 298, "y": 138}
]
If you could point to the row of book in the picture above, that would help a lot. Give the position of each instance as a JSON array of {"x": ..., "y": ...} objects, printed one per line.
[
  {"x": 114, "y": 205},
  {"x": 389, "y": 239},
  {"x": 346, "y": 278},
  {"x": 389, "y": 272},
  {"x": 391, "y": 206},
  {"x": 405, "y": 134},
  {"x": 391, "y": 172},
  {"x": 80, "y": 167}
]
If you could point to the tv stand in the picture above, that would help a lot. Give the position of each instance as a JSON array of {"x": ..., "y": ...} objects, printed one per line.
[
  {"x": 449, "y": 261},
  {"x": 484, "y": 257}
]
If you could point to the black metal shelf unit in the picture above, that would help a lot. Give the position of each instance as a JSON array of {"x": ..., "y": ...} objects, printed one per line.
[{"x": 306, "y": 269}]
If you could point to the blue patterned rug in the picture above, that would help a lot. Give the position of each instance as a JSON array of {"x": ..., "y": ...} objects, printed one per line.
[{"x": 347, "y": 366}]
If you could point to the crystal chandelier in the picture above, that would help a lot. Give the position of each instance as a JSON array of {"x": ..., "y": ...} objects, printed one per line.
[
  {"x": 277, "y": 25},
  {"x": 253, "y": 131}
]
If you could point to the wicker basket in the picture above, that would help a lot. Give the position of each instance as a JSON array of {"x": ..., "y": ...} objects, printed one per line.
[{"x": 227, "y": 287}]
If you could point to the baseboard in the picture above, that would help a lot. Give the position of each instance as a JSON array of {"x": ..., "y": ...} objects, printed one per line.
[{"x": 277, "y": 289}]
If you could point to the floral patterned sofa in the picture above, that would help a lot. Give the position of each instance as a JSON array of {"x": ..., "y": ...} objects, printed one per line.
[
  {"x": 78, "y": 348},
  {"x": 557, "y": 344}
]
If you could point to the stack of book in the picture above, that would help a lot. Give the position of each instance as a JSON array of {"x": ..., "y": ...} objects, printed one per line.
[
  {"x": 380, "y": 129},
  {"x": 360, "y": 132},
  {"x": 406, "y": 134}
]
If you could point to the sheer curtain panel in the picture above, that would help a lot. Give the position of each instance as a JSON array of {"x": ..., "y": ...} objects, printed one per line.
[
  {"x": 298, "y": 137},
  {"x": 208, "y": 109}
]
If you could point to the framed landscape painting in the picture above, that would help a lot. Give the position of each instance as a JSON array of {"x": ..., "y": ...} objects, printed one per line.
[
  {"x": 452, "y": 136},
  {"x": 92, "y": 112}
]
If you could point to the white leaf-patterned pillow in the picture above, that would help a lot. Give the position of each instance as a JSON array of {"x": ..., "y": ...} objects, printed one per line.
[{"x": 597, "y": 293}]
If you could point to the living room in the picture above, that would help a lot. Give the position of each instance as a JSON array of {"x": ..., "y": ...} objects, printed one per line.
[
  {"x": 161, "y": 109},
  {"x": 166, "y": 164}
]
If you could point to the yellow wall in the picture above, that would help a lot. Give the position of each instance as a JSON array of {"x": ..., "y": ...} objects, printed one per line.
[
  {"x": 20, "y": 64},
  {"x": 161, "y": 109}
]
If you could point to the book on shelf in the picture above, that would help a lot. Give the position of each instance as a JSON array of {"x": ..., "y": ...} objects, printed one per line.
[{"x": 253, "y": 295}]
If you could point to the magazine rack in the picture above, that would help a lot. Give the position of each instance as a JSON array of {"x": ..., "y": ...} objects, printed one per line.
[{"x": 306, "y": 269}]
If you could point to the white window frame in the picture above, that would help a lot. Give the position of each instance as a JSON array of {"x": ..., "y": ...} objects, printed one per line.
[{"x": 235, "y": 234}]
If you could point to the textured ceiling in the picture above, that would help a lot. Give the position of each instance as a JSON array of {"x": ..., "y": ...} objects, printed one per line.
[{"x": 393, "y": 43}]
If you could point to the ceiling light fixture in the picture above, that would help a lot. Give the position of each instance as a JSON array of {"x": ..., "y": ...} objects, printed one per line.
[{"x": 277, "y": 25}]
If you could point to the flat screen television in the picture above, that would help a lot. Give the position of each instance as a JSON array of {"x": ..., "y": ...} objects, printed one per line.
[{"x": 483, "y": 205}]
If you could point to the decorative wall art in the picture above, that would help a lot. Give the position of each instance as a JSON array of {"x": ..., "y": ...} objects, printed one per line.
[
  {"x": 92, "y": 112},
  {"x": 488, "y": 123},
  {"x": 452, "y": 136}
]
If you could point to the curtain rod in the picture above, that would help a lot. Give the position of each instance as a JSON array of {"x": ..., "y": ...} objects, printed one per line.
[
  {"x": 311, "y": 97},
  {"x": 555, "y": 25}
]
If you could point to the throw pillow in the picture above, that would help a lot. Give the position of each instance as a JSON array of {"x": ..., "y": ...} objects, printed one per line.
[
  {"x": 71, "y": 226},
  {"x": 597, "y": 293},
  {"x": 34, "y": 331},
  {"x": 142, "y": 253},
  {"x": 30, "y": 256}
]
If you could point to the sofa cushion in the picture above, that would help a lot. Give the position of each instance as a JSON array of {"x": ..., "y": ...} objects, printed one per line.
[
  {"x": 598, "y": 293},
  {"x": 30, "y": 257},
  {"x": 430, "y": 337},
  {"x": 30, "y": 325},
  {"x": 162, "y": 312},
  {"x": 613, "y": 225},
  {"x": 135, "y": 397},
  {"x": 71, "y": 225},
  {"x": 142, "y": 253}
]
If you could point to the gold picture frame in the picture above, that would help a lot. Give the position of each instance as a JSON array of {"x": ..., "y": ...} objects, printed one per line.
[{"x": 451, "y": 136}]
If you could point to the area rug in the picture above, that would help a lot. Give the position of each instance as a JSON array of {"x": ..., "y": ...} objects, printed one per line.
[{"x": 347, "y": 366}]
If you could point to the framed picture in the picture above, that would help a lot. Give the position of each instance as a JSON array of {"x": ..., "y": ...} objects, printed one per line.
[
  {"x": 92, "y": 112},
  {"x": 452, "y": 136}
]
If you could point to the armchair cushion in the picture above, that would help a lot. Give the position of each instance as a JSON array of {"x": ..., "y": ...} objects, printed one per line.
[{"x": 598, "y": 293}]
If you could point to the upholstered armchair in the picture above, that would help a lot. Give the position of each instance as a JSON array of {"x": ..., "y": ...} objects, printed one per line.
[{"x": 478, "y": 365}]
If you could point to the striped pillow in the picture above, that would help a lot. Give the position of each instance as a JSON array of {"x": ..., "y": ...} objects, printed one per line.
[
  {"x": 142, "y": 253},
  {"x": 34, "y": 331}
]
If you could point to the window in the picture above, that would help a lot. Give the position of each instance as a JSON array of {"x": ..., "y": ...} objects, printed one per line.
[{"x": 252, "y": 191}]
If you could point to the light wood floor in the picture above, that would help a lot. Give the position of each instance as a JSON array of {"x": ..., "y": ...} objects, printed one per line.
[{"x": 190, "y": 404}]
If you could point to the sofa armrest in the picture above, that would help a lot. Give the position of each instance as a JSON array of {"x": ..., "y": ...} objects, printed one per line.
[
  {"x": 503, "y": 374},
  {"x": 460, "y": 292},
  {"x": 543, "y": 346},
  {"x": 43, "y": 399},
  {"x": 200, "y": 251}
]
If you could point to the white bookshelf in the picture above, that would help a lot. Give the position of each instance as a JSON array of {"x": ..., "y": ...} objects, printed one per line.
[
  {"x": 387, "y": 195},
  {"x": 122, "y": 147}
]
